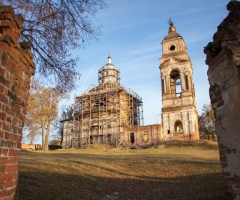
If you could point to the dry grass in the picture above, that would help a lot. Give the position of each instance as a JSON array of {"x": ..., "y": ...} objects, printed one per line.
[{"x": 182, "y": 170}]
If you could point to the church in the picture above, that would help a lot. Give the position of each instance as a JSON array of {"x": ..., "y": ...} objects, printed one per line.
[{"x": 111, "y": 113}]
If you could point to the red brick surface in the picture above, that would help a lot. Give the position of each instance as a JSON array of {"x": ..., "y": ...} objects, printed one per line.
[{"x": 16, "y": 68}]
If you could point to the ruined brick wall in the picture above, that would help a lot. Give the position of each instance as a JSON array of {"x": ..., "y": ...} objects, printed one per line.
[
  {"x": 144, "y": 134},
  {"x": 223, "y": 58},
  {"x": 16, "y": 68}
]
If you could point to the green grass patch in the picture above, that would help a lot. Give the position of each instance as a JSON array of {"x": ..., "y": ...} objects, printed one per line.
[{"x": 181, "y": 170}]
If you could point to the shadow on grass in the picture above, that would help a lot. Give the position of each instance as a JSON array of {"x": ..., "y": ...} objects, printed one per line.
[
  {"x": 39, "y": 185},
  {"x": 126, "y": 175},
  {"x": 106, "y": 163}
]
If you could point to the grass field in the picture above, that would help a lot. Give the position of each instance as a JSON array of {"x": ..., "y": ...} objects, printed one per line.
[{"x": 181, "y": 170}]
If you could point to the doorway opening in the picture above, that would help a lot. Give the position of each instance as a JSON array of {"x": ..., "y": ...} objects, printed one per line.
[{"x": 178, "y": 127}]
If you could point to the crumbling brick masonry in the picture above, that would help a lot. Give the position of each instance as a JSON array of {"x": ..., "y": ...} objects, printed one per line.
[
  {"x": 16, "y": 68},
  {"x": 223, "y": 59}
]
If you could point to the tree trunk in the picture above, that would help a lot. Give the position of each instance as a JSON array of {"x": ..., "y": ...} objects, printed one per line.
[
  {"x": 47, "y": 135},
  {"x": 43, "y": 138}
]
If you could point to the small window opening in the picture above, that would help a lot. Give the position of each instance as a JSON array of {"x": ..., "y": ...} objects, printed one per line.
[
  {"x": 168, "y": 131},
  {"x": 172, "y": 47}
]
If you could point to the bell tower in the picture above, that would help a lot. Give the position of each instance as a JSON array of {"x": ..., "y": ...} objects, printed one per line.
[{"x": 179, "y": 114}]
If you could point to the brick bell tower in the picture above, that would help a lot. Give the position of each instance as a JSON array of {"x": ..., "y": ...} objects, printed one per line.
[{"x": 179, "y": 114}]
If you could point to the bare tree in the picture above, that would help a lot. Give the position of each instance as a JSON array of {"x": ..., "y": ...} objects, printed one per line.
[
  {"x": 54, "y": 28},
  {"x": 207, "y": 121},
  {"x": 42, "y": 110},
  {"x": 30, "y": 133}
]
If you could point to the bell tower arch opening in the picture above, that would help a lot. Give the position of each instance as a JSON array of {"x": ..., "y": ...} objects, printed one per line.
[{"x": 175, "y": 83}]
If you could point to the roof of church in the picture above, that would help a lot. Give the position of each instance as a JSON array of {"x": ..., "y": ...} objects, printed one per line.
[{"x": 171, "y": 36}]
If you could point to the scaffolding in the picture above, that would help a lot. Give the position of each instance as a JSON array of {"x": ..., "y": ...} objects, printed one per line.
[{"x": 102, "y": 113}]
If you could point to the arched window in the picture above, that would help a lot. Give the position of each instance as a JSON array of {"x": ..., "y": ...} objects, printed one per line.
[
  {"x": 175, "y": 83},
  {"x": 178, "y": 127},
  {"x": 145, "y": 137},
  {"x": 132, "y": 139}
]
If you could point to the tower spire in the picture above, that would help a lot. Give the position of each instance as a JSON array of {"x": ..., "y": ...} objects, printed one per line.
[
  {"x": 109, "y": 59},
  {"x": 172, "y": 28}
]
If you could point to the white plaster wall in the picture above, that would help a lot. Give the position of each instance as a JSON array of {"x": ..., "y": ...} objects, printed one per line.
[{"x": 188, "y": 118}]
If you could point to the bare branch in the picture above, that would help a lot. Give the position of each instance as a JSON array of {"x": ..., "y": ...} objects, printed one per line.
[{"x": 55, "y": 28}]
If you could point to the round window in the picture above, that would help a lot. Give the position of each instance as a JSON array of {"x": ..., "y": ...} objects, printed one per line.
[{"x": 172, "y": 47}]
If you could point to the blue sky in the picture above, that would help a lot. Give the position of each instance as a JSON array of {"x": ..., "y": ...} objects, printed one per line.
[{"x": 132, "y": 31}]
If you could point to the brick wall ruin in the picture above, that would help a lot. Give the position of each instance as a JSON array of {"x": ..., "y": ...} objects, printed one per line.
[
  {"x": 223, "y": 59},
  {"x": 16, "y": 68},
  {"x": 143, "y": 135}
]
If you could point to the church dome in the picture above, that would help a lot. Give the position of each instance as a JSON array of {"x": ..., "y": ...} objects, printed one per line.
[
  {"x": 109, "y": 66},
  {"x": 109, "y": 73}
]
